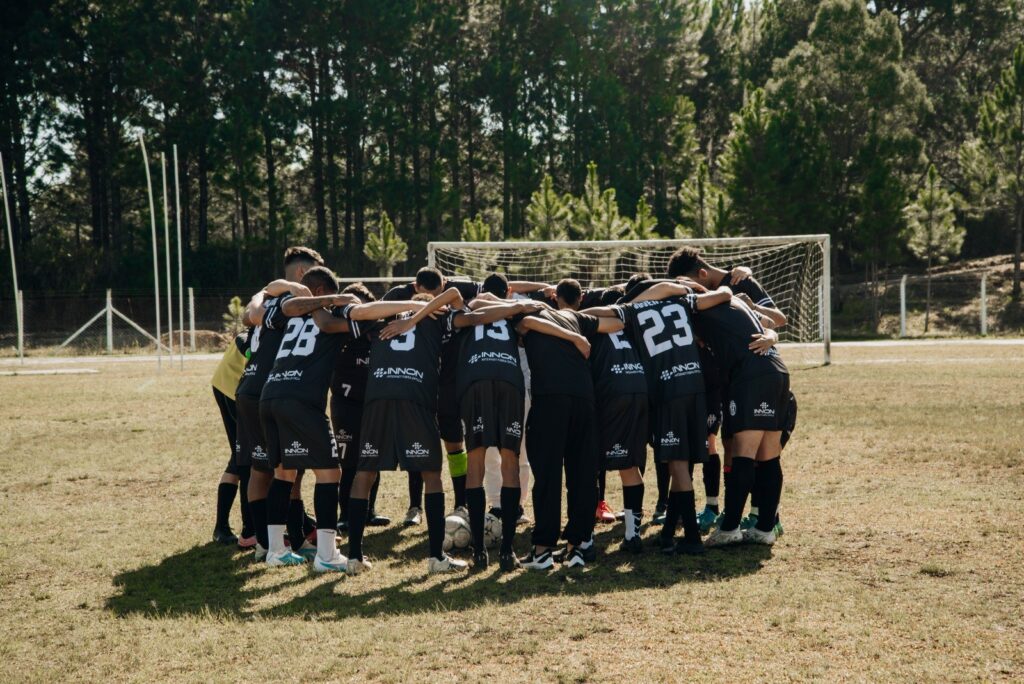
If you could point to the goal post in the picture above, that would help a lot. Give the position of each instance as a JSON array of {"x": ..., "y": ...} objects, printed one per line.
[{"x": 794, "y": 269}]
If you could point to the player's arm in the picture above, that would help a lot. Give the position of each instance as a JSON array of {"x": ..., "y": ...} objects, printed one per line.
[
  {"x": 254, "y": 310},
  {"x": 329, "y": 323},
  {"x": 276, "y": 288},
  {"x": 300, "y": 306},
  {"x": 609, "y": 325},
  {"x": 450, "y": 297},
  {"x": 600, "y": 312},
  {"x": 770, "y": 316},
  {"x": 706, "y": 300},
  {"x": 373, "y": 311},
  {"x": 762, "y": 342},
  {"x": 489, "y": 314},
  {"x": 539, "y": 325},
  {"x": 525, "y": 286},
  {"x": 662, "y": 291}
]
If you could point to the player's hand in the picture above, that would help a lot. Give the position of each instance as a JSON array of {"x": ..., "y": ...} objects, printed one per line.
[
  {"x": 739, "y": 274},
  {"x": 443, "y": 311},
  {"x": 299, "y": 290},
  {"x": 582, "y": 345},
  {"x": 761, "y": 343},
  {"x": 397, "y": 328},
  {"x": 743, "y": 297},
  {"x": 344, "y": 300},
  {"x": 529, "y": 307},
  {"x": 549, "y": 292}
]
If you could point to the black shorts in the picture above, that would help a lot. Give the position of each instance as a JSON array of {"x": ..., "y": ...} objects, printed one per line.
[
  {"x": 492, "y": 415},
  {"x": 229, "y": 416},
  {"x": 252, "y": 444},
  {"x": 681, "y": 430},
  {"x": 399, "y": 433},
  {"x": 298, "y": 435},
  {"x": 759, "y": 403},
  {"x": 787, "y": 429},
  {"x": 448, "y": 419},
  {"x": 346, "y": 418},
  {"x": 623, "y": 432}
]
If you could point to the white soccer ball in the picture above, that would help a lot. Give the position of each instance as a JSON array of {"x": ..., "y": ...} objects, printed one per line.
[
  {"x": 456, "y": 532},
  {"x": 492, "y": 530}
]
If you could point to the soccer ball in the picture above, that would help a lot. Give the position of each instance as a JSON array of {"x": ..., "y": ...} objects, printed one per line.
[
  {"x": 456, "y": 533},
  {"x": 492, "y": 530}
]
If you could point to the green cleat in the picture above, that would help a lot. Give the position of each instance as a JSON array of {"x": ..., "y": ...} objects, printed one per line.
[
  {"x": 748, "y": 522},
  {"x": 706, "y": 519},
  {"x": 778, "y": 527}
]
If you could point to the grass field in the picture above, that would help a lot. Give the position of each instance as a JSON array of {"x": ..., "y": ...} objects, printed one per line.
[{"x": 902, "y": 558}]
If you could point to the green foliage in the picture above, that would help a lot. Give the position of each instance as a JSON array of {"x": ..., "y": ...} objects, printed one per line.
[
  {"x": 232, "y": 318},
  {"x": 475, "y": 230},
  {"x": 385, "y": 248},
  {"x": 548, "y": 215},
  {"x": 703, "y": 206},
  {"x": 932, "y": 233},
  {"x": 643, "y": 224}
]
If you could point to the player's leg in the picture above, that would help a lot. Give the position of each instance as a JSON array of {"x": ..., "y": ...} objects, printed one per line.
[
  {"x": 301, "y": 528},
  {"x": 449, "y": 422},
  {"x": 745, "y": 445},
  {"x": 492, "y": 480},
  {"x": 259, "y": 487},
  {"x": 278, "y": 493},
  {"x": 374, "y": 518},
  {"x": 581, "y": 456},
  {"x": 476, "y": 502},
  {"x": 546, "y": 434},
  {"x": 768, "y": 486},
  {"x": 457, "y": 464},
  {"x": 511, "y": 491},
  {"x": 632, "y": 505},
  {"x": 433, "y": 507},
  {"x": 228, "y": 485},
  {"x": 322, "y": 459},
  {"x": 684, "y": 442},
  {"x": 711, "y": 471},
  {"x": 414, "y": 515},
  {"x": 361, "y": 485},
  {"x": 252, "y": 454}
]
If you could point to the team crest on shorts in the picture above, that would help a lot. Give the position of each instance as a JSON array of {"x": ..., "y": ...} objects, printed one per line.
[
  {"x": 732, "y": 407},
  {"x": 670, "y": 439},
  {"x": 296, "y": 449},
  {"x": 478, "y": 425},
  {"x": 369, "y": 451},
  {"x": 417, "y": 451},
  {"x": 764, "y": 411},
  {"x": 258, "y": 454},
  {"x": 515, "y": 429}
]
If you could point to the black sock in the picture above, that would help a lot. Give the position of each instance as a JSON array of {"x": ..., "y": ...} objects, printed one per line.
[
  {"x": 755, "y": 499},
  {"x": 712, "y": 468},
  {"x": 308, "y": 524},
  {"x": 296, "y": 523},
  {"x": 688, "y": 514},
  {"x": 348, "y": 476},
  {"x": 602, "y": 481},
  {"x": 325, "y": 505},
  {"x": 415, "y": 490},
  {"x": 372, "y": 501},
  {"x": 356, "y": 523},
  {"x": 477, "y": 502},
  {"x": 278, "y": 502},
  {"x": 661, "y": 471},
  {"x": 509, "y": 516},
  {"x": 435, "y": 522},
  {"x": 633, "y": 502},
  {"x": 768, "y": 486},
  {"x": 225, "y": 500},
  {"x": 668, "y": 530},
  {"x": 459, "y": 488},
  {"x": 740, "y": 482},
  {"x": 258, "y": 509},
  {"x": 243, "y": 499}
]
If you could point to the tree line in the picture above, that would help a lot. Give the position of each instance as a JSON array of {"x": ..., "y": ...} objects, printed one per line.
[{"x": 347, "y": 123}]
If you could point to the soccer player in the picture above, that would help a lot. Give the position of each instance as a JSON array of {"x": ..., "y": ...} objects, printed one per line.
[
  {"x": 225, "y": 380},
  {"x": 660, "y": 323},
  {"x": 561, "y": 430},
  {"x": 620, "y": 389}
]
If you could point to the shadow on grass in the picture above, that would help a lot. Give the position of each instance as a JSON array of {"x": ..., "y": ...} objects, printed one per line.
[{"x": 202, "y": 580}]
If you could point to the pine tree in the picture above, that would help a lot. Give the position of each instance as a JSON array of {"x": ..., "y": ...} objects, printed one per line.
[
  {"x": 385, "y": 248},
  {"x": 698, "y": 200},
  {"x": 547, "y": 215},
  {"x": 475, "y": 230},
  {"x": 586, "y": 209},
  {"x": 932, "y": 233},
  {"x": 643, "y": 224}
]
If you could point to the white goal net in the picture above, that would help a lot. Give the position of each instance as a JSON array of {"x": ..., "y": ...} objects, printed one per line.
[{"x": 793, "y": 269}]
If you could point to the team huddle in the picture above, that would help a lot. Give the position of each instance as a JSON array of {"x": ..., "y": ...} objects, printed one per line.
[{"x": 516, "y": 380}]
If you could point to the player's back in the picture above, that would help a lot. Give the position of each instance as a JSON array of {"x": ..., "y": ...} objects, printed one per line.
[
  {"x": 728, "y": 329},
  {"x": 666, "y": 344},
  {"x": 406, "y": 367},
  {"x": 351, "y": 369},
  {"x": 556, "y": 366},
  {"x": 615, "y": 366},
  {"x": 489, "y": 351},
  {"x": 304, "y": 363},
  {"x": 264, "y": 341}
]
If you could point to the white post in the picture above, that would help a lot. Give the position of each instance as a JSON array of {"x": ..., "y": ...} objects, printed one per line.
[
  {"x": 156, "y": 258},
  {"x": 18, "y": 312},
  {"x": 903, "y": 306},
  {"x": 181, "y": 289},
  {"x": 167, "y": 262},
  {"x": 827, "y": 277},
  {"x": 191, "y": 320},
  {"x": 984, "y": 306},
  {"x": 110, "y": 323}
]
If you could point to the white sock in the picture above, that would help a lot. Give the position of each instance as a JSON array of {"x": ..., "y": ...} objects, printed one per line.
[
  {"x": 753, "y": 510},
  {"x": 630, "y": 524},
  {"x": 275, "y": 537},
  {"x": 711, "y": 501},
  {"x": 325, "y": 548},
  {"x": 587, "y": 544}
]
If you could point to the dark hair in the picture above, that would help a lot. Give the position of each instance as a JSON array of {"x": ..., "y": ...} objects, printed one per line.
[
  {"x": 636, "y": 278},
  {"x": 569, "y": 290},
  {"x": 612, "y": 295},
  {"x": 685, "y": 262},
  {"x": 497, "y": 285},
  {"x": 361, "y": 291},
  {"x": 304, "y": 255},
  {"x": 320, "y": 276},
  {"x": 429, "y": 278}
]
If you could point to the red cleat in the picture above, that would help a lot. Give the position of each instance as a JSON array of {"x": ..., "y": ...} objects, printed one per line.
[{"x": 604, "y": 514}]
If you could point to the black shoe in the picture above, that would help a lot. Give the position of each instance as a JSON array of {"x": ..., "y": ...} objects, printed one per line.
[
  {"x": 590, "y": 553},
  {"x": 374, "y": 519},
  {"x": 690, "y": 548},
  {"x": 481, "y": 560},
  {"x": 508, "y": 562},
  {"x": 634, "y": 544},
  {"x": 539, "y": 561},
  {"x": 342, "y": 526},
  {"x": 666, "y": 547},
  {"x": 495, "y": 511},
  {"x": 577, "y": 559},
  {"x": 224, "y": 535}
]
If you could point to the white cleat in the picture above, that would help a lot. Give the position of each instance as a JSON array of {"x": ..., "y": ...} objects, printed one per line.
[
  {"x": 756, "y": 536},
  {"x": 307, "y": 551},
  {"x": 284, "y": 558},
  {"x": 358, "y": 567},
  {"x": 446, "y": 564},
  {"x": 412, "y": 516},
  {"x": 720, "y": 537},
  {"x": 259, "y": 554},
  {"x": 337, "y": 564}
]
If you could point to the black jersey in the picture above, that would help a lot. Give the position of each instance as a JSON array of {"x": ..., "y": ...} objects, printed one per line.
[
  {"x": 264, "y": 341},
  {"x": 405, "y": 367},
  {"x": 615, "y": 366},
  {"x": 751, "y": 288},
  {"x": 351, "y": 368},
  {"x": 727, "y": 329},
  {"x": 488, "y": 352},
  {"x": 665, "y": 342},
  {"x": 468, "y": 290},
  {"x": 556, "y": 366},
  {"x": 304, "y": 363}
]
